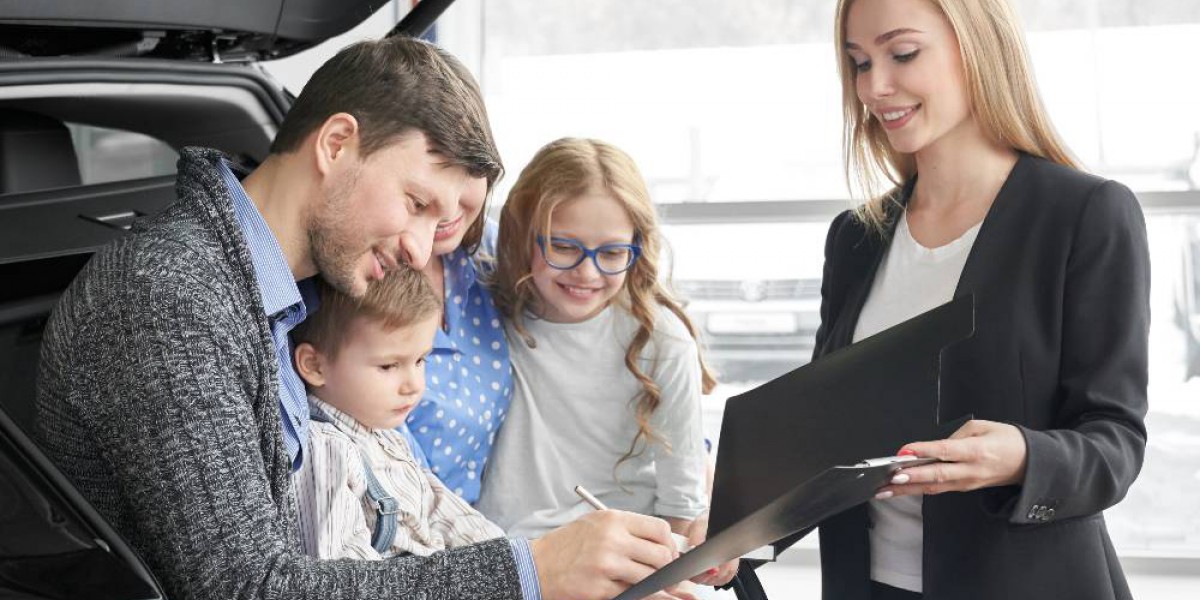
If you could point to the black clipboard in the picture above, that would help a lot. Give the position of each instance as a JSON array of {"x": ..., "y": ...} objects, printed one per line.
[
  {"x": 778, "y": 470},
  {"x": 829, "y": 493}
]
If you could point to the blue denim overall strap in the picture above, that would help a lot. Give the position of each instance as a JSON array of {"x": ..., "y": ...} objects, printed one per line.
[
  {"x": 386, "y": 508},
  {"x": 384, "y": 504}
]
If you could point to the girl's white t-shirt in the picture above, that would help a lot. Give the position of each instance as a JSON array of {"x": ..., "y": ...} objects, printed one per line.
[
  {"x": 572, "y": 418},
  {"x": 911, "y": 279}
]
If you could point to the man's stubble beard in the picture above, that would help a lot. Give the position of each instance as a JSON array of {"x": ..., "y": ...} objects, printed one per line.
[{"x": 335, "y": 250}]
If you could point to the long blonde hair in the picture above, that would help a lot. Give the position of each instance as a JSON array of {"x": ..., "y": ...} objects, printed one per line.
[
  {"x": 560, "y": 172},
  {"x": 1001, "y": 89}
]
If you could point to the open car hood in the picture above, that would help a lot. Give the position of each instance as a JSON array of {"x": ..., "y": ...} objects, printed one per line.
[{"x": 207, "y": 30}]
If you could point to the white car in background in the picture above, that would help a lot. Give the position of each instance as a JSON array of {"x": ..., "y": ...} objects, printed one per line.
[{"x": 753, "y": 290}]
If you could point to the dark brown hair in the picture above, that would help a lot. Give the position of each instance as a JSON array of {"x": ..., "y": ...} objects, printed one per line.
[
  {"x": 402, "y": 298},
  {"x": 393, "y": 87}
]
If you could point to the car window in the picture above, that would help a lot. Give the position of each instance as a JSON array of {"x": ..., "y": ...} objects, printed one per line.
[{"x": 117, "y": 155}]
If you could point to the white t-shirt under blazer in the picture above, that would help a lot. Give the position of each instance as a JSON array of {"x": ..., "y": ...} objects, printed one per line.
[{"x": 911, "y": 279}]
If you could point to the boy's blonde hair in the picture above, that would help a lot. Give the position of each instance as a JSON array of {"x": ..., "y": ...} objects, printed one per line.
[
  {"x": 1001, "y": 90},
  {"x": 560, "y": 172},
  {"x": 403, "y": 297}
]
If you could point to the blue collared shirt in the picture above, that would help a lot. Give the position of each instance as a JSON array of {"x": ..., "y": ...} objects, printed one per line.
[
  {"x": 285, "y": 308},
  {"x": 526, "y": 569}
]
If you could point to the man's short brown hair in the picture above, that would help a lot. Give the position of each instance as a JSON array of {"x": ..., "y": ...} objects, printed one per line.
[
  {"x": 393, "y": 87},
  {"x": 402, "y": 298}
]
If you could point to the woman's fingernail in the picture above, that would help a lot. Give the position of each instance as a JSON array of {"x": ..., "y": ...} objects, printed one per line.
[
  {"x": 900, "y": 478},
  {"x": 906, "y": 452},
  {"x": 711, "y": 572},
  {"x": 883, "y": 495}
]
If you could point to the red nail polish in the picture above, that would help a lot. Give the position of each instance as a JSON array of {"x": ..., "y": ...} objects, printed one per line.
[
  {"x": 906, "y": 452},
  {"x": 711, "y": 572}
]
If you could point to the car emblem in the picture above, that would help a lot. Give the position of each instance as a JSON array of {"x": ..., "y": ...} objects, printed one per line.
[{"x": 753, "y": 290}]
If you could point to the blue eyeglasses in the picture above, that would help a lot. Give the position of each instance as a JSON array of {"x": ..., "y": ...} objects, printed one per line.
[{"x": 565, "y": 254}]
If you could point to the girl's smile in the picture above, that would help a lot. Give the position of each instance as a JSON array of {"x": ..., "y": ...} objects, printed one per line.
[
  {"x": 580, "y": 293},
  {"x": 575, "y": 291}
]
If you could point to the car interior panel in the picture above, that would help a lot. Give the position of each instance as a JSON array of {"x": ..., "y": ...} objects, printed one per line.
[
  {"x": 35, "y": 153},
  {"x": 50, "y": 530},
  {"x": 180, "y": 115},
  {"x": 45, "y": 532},
  {"x": 49, "y": 225},
  {"x": 50, "y": 222}
]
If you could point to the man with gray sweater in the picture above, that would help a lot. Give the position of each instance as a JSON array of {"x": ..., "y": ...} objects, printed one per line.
[{"x": 167, "y": 392}]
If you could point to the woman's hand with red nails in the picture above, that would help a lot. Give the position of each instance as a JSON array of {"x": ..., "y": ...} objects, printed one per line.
[
  {"x": 980, "y": 454},
  {"x": 719, "y": 575}
]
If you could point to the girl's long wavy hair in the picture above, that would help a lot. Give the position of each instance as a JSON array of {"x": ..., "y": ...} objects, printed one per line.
[
  {"x": 1000, "y": 86},
  {"x": 560, "y": 172}
]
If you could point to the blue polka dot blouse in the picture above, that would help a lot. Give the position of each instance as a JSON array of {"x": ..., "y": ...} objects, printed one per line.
[{"x": 468, "y": 380}]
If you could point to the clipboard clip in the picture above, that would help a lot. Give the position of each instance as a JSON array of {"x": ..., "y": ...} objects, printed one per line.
[{"x": 899, "y": 462}]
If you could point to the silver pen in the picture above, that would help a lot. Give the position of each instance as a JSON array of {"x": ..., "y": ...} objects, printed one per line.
[
  {"x": 589, "y": 498},
  {"x": 681, "y": 543}
]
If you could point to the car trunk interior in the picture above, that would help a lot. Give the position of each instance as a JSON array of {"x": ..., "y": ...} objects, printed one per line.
[{"x": 51, "y": 221}]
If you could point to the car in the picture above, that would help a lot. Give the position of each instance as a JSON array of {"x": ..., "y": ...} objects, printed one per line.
[
  {"x": 1187, "y": 296},
  {"x": 95, "y": 100},
  {"x": 757, "y": 318}
]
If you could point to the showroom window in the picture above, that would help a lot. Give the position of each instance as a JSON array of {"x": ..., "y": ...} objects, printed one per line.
[{"x": 732, "y": 111}]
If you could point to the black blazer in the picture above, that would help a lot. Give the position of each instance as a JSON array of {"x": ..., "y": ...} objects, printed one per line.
[{"x": 1060, "y": 272}]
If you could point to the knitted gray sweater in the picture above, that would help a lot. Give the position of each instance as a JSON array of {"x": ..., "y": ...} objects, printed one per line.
[{"x": 158, "y": 397}]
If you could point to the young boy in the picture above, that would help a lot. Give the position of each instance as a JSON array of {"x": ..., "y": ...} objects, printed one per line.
[{"x": 361, "y": 492}]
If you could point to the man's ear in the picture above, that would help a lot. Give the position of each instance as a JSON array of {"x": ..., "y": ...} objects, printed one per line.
[
  {"x": 310, "y": 364},
  {"x": 336, "y": 142}
]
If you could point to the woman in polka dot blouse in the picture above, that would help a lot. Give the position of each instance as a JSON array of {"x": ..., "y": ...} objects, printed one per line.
[{"x": 468, "y": 376}]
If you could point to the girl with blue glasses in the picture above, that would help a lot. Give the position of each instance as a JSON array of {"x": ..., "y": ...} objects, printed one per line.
[{"x": 607, "y": 372}]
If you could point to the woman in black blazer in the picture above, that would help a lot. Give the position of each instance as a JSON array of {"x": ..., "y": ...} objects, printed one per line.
[{"x": 940, "y": 104}]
